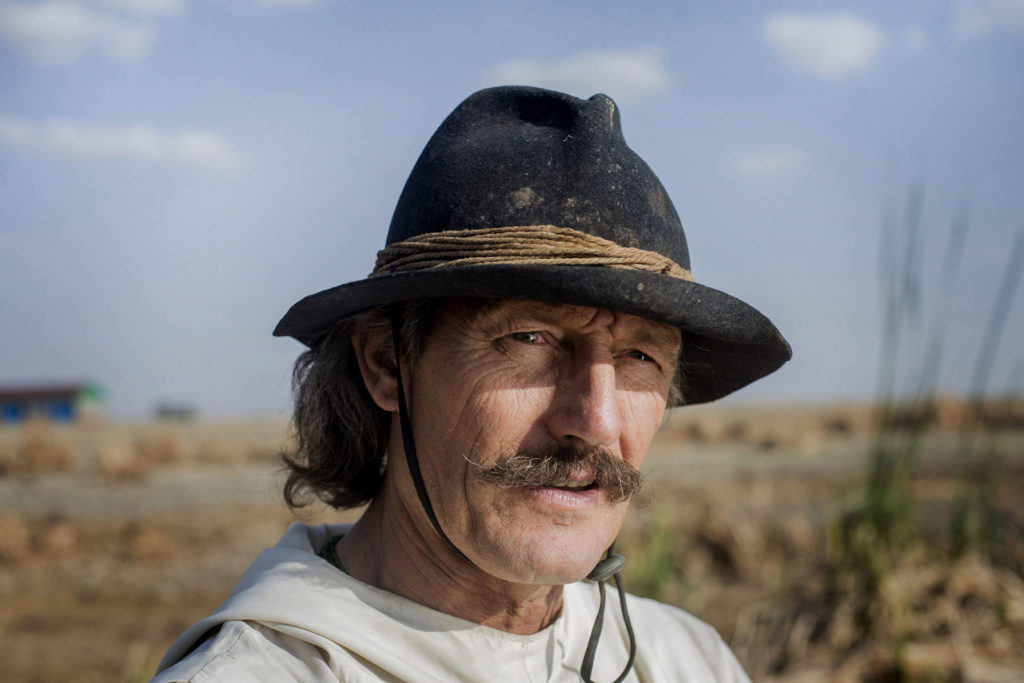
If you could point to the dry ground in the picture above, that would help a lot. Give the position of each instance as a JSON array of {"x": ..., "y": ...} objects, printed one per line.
[{"x": 114, "y": 538}]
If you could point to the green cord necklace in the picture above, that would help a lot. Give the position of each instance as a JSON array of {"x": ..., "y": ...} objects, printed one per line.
[{"x": 328, "y": 551}]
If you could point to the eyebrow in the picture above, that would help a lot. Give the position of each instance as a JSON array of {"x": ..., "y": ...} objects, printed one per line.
[
  {"x": 644, "y": 330},
  {"x": 657, "y": 336}
]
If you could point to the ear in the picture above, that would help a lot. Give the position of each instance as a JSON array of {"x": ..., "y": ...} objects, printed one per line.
[{"x": 373, "y": 348}]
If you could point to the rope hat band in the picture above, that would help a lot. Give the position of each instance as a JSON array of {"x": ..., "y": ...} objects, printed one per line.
[{"x": 524, "y": 244}]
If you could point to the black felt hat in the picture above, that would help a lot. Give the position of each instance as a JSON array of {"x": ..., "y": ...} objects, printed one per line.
[{"x": 521, "y": 156}]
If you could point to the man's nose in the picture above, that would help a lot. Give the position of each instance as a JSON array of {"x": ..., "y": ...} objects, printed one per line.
[{"x": 586, "y": 404}]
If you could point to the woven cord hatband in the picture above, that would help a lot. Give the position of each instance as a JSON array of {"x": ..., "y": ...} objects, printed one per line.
[{"x": 546, "y": 245}]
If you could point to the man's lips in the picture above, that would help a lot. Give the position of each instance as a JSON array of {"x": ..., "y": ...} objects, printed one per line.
[
  {"x": 566, "y": 497},
  {"x": 583, "y": 479}
]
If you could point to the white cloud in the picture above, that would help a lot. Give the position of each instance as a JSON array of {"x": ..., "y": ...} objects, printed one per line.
[
  {"x": 61, "y": 32},
  {"x": 771, "y": 161},
  {"x": 288, "y": 3},
  {"x": 915, "y": 40},
  {"x": 976, "y": 18},
  {"x": 627, "y": 75},
  {"x": 144, "y": 8},
  {"x": 92, "y": 141},
  {"x": 829, "y": 46}
]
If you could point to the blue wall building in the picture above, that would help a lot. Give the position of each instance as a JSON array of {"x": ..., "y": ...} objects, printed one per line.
[{"x": 58, "y": 402}]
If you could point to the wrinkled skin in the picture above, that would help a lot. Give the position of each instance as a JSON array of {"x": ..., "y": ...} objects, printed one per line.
[{"x": 496, "y": 378}]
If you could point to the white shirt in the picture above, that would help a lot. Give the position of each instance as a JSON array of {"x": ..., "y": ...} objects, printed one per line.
[{"x": 295, "y": 617}]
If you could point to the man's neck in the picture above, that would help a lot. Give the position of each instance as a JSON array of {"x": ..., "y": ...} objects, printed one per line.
[{"x": 387, "y": 549}]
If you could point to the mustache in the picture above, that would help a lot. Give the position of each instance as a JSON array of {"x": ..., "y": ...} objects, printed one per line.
[{"x": 558, "y": 464}]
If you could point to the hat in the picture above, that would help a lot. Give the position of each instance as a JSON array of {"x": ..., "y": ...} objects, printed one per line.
[{"x": 525, "y": 193}]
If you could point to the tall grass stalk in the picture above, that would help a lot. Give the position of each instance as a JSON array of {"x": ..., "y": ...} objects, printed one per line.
[
  {"x": 888, "y": 509},
  {"x": 870, "y": 537},
  {"x": 866, "y": 539},
  {"x": 973, "y": 524}
]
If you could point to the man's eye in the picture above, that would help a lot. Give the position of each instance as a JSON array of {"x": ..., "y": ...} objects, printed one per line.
[
  {"x": 640, "y": 355},
  {"x": 527, "y": 337}
]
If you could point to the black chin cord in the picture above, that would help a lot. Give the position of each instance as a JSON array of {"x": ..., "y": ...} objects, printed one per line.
[
  {"x": 607, "y": 568},
  {"x": 409, "y": 445}
]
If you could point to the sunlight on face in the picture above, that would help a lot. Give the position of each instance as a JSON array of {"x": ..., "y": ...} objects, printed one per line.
[{"x": 499, "y": 377}]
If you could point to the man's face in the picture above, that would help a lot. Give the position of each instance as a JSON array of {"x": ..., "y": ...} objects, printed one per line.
[{"x": 503, "y": 377}]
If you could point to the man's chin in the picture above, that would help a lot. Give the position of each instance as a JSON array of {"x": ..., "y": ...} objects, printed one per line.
[
  {"x": 535, "y": 547},
  {"x": 555, "y": 567}
]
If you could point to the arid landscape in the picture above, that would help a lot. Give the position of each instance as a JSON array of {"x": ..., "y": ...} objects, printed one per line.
[{"x": 115, "y": 537}]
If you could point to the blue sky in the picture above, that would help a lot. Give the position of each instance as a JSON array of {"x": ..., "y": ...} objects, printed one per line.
[{"x": 174, "y": 173}]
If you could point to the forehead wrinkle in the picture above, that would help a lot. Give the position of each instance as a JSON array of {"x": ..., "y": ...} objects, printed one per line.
[
  {"x": 657, "y": 334},
  {"x": 537, "y": 310}
]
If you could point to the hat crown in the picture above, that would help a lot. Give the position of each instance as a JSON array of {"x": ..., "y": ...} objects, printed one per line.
[
  {"x": 513, "y": 157},
  {"x": 517, "y": 156}
]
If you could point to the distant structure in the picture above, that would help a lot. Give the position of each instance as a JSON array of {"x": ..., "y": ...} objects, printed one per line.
[
  {"x": 167, "y": 410},
  {"x": 55, "y": 402}
]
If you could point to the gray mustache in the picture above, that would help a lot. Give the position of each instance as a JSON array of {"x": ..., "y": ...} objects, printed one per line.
[{"x": 554, "y": 466}]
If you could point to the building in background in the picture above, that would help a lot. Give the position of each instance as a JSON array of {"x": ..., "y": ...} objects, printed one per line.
[
  {"x": 174, "y": 410},
  {"x": 55, "y": 402}
]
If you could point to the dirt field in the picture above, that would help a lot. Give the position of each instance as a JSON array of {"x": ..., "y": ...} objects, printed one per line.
[{"x": 114, "y": 538}]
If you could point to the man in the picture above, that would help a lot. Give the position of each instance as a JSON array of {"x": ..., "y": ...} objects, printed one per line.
[{"x": 491, "y": 390}]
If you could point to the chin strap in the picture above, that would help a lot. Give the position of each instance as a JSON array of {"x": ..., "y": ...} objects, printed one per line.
[
  {"x": 607, "y": 568},
  {"x": 409, "y": 445}
]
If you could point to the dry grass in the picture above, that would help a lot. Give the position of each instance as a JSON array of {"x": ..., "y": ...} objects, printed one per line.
[
  {"x": 39, "y": 450},
  {"x": 133, "y": 452},
  {"x": 757, "y": 555},
  {"x": 746, "y": 549}
]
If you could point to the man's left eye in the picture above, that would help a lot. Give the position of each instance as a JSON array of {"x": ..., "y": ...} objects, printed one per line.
[
  {"x": 527, "y": 337},
  {"x": 640, "y": 355}
]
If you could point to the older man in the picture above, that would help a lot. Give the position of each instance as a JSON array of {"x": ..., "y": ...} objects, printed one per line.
[{"x": 491, "y": 390}]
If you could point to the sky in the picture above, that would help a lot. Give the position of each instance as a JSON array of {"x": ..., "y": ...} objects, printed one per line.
[{"x": 174, "y": 174}]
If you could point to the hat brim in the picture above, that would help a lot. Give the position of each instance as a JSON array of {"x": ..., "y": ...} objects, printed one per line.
[{"x": 727, "y": 343}]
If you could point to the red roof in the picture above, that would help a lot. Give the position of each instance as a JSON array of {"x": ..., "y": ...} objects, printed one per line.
[{"x": 36, "y": 391}]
